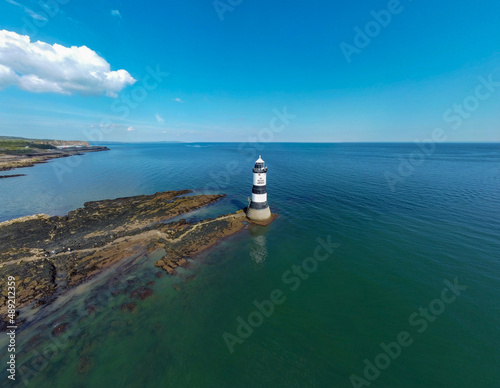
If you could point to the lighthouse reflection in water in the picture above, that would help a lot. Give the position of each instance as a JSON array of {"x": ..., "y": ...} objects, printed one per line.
[{"x": 258, "y": 250}]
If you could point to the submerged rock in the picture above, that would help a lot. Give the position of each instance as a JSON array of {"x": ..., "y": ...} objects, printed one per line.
[
  {"x": 141, "y": 293},
  {"x": 128, "y": 307},
  {"x": 85, "y": 364},
  {"x": 60, "y": 329}
]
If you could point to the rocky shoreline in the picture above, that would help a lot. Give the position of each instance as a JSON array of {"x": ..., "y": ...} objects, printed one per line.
[
  {"x": 51, "y": 255},
  {"x": 29, "y": 159},
  {"x": 11, "y": 176}
]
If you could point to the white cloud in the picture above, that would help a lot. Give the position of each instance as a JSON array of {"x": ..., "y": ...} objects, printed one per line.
[
  {"x": 7, "y": 76},
  {"x": 160, "y": 119},
  {"x": 177, "y": 99},
  {"x": 130, "y": 129},
  {"x": 33, "y": 14},
  {"x": 40, "y": 67},
  {"x": 115, "y": 12},
  {"x": 163, "y": 131}
]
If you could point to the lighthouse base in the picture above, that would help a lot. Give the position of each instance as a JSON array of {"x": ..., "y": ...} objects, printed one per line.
[{"x": 258, "y": 214}]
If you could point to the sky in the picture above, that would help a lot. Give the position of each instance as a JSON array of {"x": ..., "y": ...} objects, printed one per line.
[{"x": 240, "y": 70}]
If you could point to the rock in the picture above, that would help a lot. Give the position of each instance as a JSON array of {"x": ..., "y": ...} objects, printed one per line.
[
  {"x": 38, "y": 303},
  {"x": 84, "y": 365},
  {"x": 150, "y": 283},
  {"x": 172, "y": 264},
  {"x": 91, "y": 309},
  {"x": 141, "y": 293},
  {"x": 60, "y": 329},
  {"x": 128, "y": 307},
  {"x": 61, "y": 252},
  {"x": 33, "y": 342},
  {"x": 191, "y": 277}
]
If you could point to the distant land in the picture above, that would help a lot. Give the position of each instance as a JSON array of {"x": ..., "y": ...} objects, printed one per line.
[
  {"x": 140, "y": 142},
  {"x": 18, "y": 152}
]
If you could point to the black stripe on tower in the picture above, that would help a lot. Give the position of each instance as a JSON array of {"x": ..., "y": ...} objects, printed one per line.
[
  {"x": 259, "y": 189},
  {"x": 258, "y": 205}
]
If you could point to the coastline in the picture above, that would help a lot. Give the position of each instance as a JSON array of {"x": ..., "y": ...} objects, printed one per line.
[
  {"x": 49, "y": 256},
  {"x": 11, "y": 176},
  {"x": 9, "y": 162}
]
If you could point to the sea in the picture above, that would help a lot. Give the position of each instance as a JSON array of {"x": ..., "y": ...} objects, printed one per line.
[{"x": 382, "y": 270}]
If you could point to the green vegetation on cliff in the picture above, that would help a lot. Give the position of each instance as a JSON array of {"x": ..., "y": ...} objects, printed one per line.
[
  {"x": 17, "y": 152},
  {"x": 11, "y": 146}
]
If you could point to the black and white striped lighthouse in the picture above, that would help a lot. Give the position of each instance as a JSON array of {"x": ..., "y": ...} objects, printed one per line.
[{"x": 258, "y": 209}]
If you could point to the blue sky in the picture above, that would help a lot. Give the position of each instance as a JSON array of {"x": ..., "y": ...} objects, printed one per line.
[{"x": 230, "y": 63}]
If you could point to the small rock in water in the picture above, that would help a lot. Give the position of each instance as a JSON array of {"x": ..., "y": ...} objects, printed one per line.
[
  {"x": 141, "y": 293},
  {"x": 91, "y": 309},
  {"x": 127, "y": 307},
  {"x": 84, "y": 365},
  {"x": 60, "y": 329}
]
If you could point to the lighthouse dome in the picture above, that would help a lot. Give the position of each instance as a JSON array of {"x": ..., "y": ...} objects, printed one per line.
[{"x": 260, "y": 166}]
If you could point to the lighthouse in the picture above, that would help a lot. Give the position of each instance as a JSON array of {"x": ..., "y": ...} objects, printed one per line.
[{"x": 258, "y": 209}]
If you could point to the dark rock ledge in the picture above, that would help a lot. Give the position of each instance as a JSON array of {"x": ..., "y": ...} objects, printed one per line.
[{"x": 50, "y": 255}]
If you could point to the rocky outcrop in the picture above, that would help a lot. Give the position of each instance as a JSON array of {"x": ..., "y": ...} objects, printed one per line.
[
  {"x": 49, "y": 255},
  {"x": 197, "y": 238},
  {"x": 56, "y": 143},
  {"x": 11, "y": 176},
  {"x": 28, "y": 153}
]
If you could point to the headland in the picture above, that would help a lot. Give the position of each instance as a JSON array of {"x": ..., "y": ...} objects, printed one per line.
[
  {"x": 50, "y": 255},
  {"x": 16, "y": 152}
]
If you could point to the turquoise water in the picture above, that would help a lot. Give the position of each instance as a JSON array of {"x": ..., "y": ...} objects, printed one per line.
[{"x": 394, "y": 251}]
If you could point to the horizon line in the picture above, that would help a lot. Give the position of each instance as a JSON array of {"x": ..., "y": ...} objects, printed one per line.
[{"x": 286, "y": 142}]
